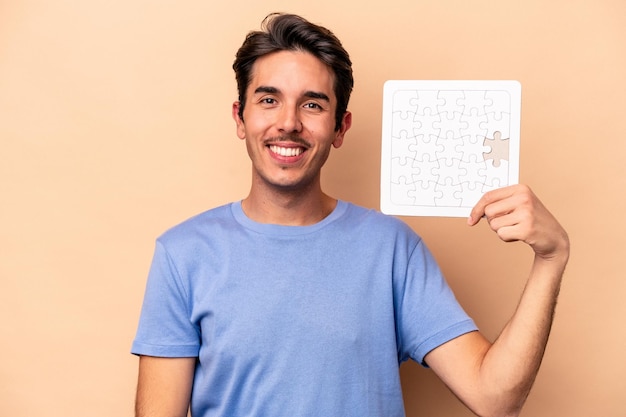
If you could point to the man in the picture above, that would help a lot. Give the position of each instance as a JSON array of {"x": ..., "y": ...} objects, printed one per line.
[{"x": 293, "y": 303}]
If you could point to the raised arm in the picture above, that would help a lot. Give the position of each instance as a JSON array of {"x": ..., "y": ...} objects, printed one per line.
[
  {"x": 494, "y": 379},
  {"x": 164, "y": 386}
]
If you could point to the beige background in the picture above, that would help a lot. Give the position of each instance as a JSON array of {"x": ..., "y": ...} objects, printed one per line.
[{"x": 115, "y": 124}]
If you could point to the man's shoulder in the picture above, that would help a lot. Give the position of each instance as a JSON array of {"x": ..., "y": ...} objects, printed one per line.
[
  {"x": 203, "y": 223},
  {"x": 372, "y": 218}
]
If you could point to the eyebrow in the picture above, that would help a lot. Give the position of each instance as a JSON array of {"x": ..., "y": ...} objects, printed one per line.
[
  {"x": 314, "y": 94},
  {"x": 309, "y": 94},
  {"x": 265, "y": 89}
]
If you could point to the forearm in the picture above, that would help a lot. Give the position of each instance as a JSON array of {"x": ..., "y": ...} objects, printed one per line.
[{"x": 510, "y": 366}]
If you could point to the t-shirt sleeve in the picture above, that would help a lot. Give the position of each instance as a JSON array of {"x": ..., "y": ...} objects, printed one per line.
[
  {"x": 165, "y": 328},
  {"x": 429, "y": 314}
]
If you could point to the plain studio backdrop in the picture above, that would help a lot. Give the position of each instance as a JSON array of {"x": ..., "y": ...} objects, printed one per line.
[{"x": 115, "y": 125}]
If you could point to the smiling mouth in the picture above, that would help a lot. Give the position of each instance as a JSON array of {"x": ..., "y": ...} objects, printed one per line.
[{"x": 286, "y": 151}]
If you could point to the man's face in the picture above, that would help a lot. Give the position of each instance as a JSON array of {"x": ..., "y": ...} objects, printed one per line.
[{"x": 289, "y": 119}]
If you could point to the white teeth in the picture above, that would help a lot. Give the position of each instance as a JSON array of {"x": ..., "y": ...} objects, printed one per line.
[{"x": 285, "y": 151}]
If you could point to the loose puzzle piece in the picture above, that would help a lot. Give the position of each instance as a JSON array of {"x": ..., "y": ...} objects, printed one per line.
[{"x": 446, "y": 143}]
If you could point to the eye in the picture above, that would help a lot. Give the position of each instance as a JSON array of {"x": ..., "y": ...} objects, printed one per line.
[
  {"x": 312, "y": 105},
  {"x": 268, "y": 100}
]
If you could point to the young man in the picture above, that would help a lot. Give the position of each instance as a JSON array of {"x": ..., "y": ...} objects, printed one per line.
[{"x": 293, "y": 303}]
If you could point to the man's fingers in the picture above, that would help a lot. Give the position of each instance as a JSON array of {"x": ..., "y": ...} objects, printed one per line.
[{"x": 493, "y": 204}]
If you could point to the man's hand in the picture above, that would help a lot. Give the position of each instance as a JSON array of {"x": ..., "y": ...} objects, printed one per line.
[{"x": 516, "y": 214}]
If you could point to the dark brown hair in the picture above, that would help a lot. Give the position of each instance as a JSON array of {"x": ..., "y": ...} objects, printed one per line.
[{"x": 288, "y": 32}]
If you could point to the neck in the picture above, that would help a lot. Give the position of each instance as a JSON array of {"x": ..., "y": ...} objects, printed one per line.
[{"x": 288, "y": 209}]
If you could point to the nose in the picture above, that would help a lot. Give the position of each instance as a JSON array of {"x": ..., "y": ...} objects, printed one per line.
[{"x": 289, "y": 119}]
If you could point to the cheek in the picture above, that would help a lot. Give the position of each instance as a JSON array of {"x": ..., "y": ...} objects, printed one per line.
[{"x": 256, "y": 123}]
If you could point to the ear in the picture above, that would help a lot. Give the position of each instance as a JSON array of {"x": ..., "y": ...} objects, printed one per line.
[
  {"x": 241, "y": 129},
  {"x": 346, "y": 122}
]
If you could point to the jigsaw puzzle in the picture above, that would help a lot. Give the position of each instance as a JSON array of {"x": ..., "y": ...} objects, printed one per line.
[{"x": 446, "y": 143}]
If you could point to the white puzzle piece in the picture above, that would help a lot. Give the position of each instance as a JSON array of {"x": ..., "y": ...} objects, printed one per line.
[{"x": 446, "y": 143}]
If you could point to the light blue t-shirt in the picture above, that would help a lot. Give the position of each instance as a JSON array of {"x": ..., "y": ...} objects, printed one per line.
[{"x": 296, "y": 320}]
